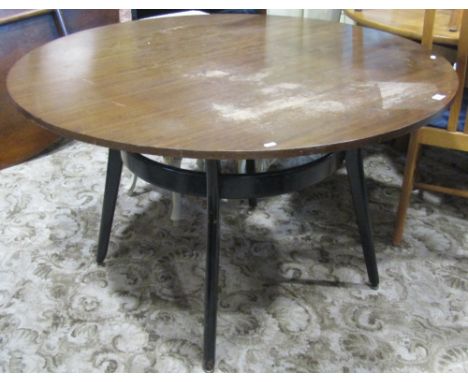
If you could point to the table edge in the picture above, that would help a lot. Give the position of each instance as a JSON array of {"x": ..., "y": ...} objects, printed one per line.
[{"x": 233, "y": 155}]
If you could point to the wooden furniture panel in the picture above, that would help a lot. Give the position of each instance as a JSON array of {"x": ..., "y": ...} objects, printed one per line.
[
  {"x": 20, "y": 32},
  {"x": 219, "y": 87},
  {"x": 221, "y": 104},
  {"x": 453, "y": 136}
]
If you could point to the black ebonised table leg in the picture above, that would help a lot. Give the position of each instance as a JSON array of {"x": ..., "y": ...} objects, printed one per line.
[
  {"x": 212, "y": 264},
  {"x": 114, "y": 171},
  {"x": 360, "y": 201},
  {"x": 250, "y": 169}
]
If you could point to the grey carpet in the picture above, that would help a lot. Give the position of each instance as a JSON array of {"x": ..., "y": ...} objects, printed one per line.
[{"x": 293, "y": 293}]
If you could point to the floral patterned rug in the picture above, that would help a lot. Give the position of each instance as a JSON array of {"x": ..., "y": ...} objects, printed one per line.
[{"x": 293, "y": 293}]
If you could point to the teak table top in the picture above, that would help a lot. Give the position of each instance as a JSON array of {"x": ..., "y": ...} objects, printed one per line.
[{"x": 231, "y": 86}]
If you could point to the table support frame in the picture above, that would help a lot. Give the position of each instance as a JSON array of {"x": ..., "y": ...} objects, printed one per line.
[
  {"x": 215, "y": 185},
  {"x": 360, "y": 198},
  {"x": 111, "y": 191},
  {"x": 212, "y": 264},
  {"x": 250, "y": 169}
]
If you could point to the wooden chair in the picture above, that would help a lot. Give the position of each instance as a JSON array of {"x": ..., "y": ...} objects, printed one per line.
[
  {"x": 455, "y": 18},
  {"x": 451, "y": 136}
]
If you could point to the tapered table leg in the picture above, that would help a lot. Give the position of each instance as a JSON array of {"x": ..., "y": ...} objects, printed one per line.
[
  {"x": 212, "y": 265},
  {"x": 360, "y": 201},
  {"x": 250, "y": 169},
  {"x": 114, "y": 171}
]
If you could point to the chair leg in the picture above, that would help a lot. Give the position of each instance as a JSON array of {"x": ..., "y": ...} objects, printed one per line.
[
  {"x": 360, "y": 200},
  {"x": 131, "y": 189},
  {"x": 414, "y": 150},
  {"x": 250, "y": 169},
  {"x": 114, "y": 171},
  {"x": 212, "y": 264},
  {"x": 176, "y": 211}
]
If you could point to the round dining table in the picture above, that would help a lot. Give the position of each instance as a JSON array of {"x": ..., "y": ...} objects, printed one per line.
[{"x": 232, "y": 87}]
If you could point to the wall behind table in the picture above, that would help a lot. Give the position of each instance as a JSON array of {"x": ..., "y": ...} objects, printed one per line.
[{"x": 320, "y": 14}]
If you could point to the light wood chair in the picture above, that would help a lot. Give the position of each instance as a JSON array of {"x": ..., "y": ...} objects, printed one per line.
[
  {"x": 453, "y": 136},
  {"x": 455, "y": 19}
]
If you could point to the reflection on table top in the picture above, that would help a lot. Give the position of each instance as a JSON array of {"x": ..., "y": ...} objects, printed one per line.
[
  {"x": 408, "y": 22},
  {"x": 231, "y": 86}
]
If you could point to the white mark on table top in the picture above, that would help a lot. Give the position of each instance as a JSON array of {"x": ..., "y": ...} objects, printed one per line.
[
  {"x": 219, "y": 73},
  {"x": 255, "y": 77},
  {"x": 396, "y": 94},
  {"x": 208, "y": 74},
  {"x": 119, "y": 104},
  {"x": 214, "y": 74},
  {"x": 311, "y": 104},
  {"x": 279, "y": 88},
  {"x": 88, "y": 81},
  {"x": 438, "y": 97},
  {"x": 168, "y": 30}
]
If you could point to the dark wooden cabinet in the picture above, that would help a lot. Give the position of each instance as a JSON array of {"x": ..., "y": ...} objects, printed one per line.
[{"x": 21, "y": 31}]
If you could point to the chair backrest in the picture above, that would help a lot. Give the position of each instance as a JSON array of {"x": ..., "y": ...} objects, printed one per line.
[{"x": 461, "y": 64}]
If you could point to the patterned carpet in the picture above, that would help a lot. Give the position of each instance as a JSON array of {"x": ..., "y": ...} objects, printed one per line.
[{"x": 293, "y": 291}]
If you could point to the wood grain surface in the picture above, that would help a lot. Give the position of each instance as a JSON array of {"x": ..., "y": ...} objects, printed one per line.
[
  {"x": 20, "y": 32},
  {"x": 231, "y": 86}
]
